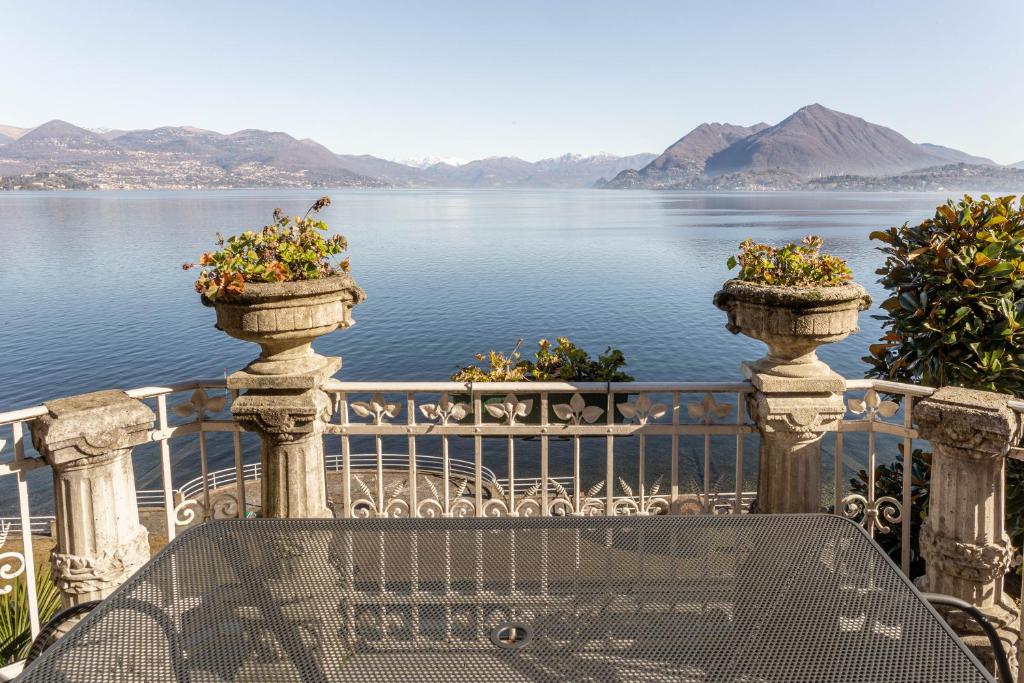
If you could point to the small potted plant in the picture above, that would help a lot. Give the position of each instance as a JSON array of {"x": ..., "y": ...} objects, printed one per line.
[
  {"x": 281, "y": 288},
  {"x": 562, "y": 361},
  {"x": 793, "y": 298}
]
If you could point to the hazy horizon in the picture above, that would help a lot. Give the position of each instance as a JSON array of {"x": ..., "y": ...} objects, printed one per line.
[{"x": 405, "y": 80}]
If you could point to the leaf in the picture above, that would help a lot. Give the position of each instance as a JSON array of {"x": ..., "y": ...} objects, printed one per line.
[
  {"x": 525, "y": 408},
  {"x": 857, "y": 406},
  {"x": 888, "y": 408},
  {"x": 563, "y": 411},
  {"x": 625, "y": 487},
  {"x": 731, "y": 263},
  {"x": 658, "y": 411},
  {"x": 627, "y": 410},
  {"x": 497, "y": 411},
  {"x": 595, "y": 489},
  {"x": 361, "y": 409},
  {"x": 591, "y": 414},
  {"x": 577, "y": 403}
]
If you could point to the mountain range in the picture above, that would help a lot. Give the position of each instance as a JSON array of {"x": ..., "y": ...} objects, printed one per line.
[
  {"x": 812, "y": 143},
  {"x": 185, "y": 157},
  {"x": 813, "y": 148}
]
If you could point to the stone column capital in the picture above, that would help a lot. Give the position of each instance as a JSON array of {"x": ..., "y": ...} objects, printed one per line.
[
  {"x": 802, "y": 407},
  {"x": 284, "y": 408},
  {"x": 85, "y": 429},
  {"x": 968, "y": 423}
]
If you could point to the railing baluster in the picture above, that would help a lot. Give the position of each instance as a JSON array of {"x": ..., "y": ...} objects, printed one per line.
[
  {"x": 478, "y": 455},
  {"x": 577, "y": 483},
  {"x": 642, "y": 473},
  {"x": 165, "y": 467},
  {"x": 346, "y": 457},
  {"x": 870, "y": 508},
  {"x": 511, "y": 475},
  {"x": 609, "y": 464},
  {"x": 410, "y": 402},
  {"x": 204, "y": 471},
  {"x": 26, "y": 529},
  {"x": 707, "y": 473},
  {"x": 379, "y": 443},
  {"x": 737, "y": 506},
  {"x": 545, "y": 505},
  {"x": 838, "y": 475},
  {"x": 446, "y": 476},
  {"x": 677, "y": 410},
  {"x": 236, "y": 444},
  {"x": 907, "y": 513}
]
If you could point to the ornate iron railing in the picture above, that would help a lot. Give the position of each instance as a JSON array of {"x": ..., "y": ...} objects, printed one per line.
[{"x": 492, "y": 449}]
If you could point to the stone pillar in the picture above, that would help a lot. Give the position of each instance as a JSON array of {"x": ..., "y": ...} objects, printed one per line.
[
  {"x": 963, "y": 541},
  {"x": 792, "y": 416},
  {"x": 288, "y": 412},
  {"x": 87, "y": 440}
]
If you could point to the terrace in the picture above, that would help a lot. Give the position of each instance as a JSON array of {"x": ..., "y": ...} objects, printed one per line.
[{"x": 784, "y": 435}]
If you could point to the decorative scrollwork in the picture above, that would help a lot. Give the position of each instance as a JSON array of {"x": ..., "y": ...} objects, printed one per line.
[
  {"x": 872, "y": 513},
  {"x": 377, "y": 408},
  {"x": 708, "y": 409},
  {"x": 873, "y": 405},
  {"x": 224, "y": 506},
  {"x": 643, "y": 410},
  {"x": 200, "y": 404},
  {"x": 9, "y": 570},
  {"x": 444, "y": 411},
  {"x": 510, "y": 408},
  {"x": 186, "y": 512},
  {"x": 577, "y": 411},
  {"x": 631, "y": 503}
]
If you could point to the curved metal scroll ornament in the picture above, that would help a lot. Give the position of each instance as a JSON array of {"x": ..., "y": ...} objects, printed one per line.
[
  {"x": 642, "y": 410},
  {"x": 873, "y": 405},
  {"x": 200, "y": 404},
  {"x": 377, "y": 408},
  {"x": 510, "y": 408},
  {"x": 577, "y": 411},
  {"x": 8, "y": 569},
  {"x": 873, "y": 512}
]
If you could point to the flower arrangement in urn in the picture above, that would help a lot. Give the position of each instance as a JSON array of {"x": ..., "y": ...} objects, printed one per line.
[
  {"x": 281, "y": 287},
  {"x": 793, "y": 298}
]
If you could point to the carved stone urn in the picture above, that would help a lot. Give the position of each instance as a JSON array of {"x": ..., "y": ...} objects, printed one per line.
[
  {"x": 283, "y": 400},
  {"x": 285, "y": 317},
  {"x": 792, "y": 321}
]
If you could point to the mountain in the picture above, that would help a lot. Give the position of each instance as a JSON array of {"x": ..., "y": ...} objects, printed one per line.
[
  {"x": 4, "y": 139},
  {"x": 701, "y": 142},
  {"x": 427, "y": 162},
  {"x": 1019, "y": 164},
  {"x": 685, "y": 157},
  {"x": 577, "y": 170},
  {"x": 54, "y": 142},
  {"x": 818, "y": 141},
  {"x": 13, "y": 132},
  {"x": 956, "y": 156}
]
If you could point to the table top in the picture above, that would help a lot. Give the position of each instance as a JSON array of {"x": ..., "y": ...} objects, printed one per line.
[{"x": 745, "y": 598}]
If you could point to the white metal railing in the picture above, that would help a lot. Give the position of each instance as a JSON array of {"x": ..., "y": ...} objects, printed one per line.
[{"x": 562, "y": 448}]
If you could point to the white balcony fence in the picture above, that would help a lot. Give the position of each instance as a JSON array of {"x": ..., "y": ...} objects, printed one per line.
[{"x": 562, "y": 449}]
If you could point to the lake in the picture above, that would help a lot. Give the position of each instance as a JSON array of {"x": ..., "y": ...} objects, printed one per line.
[{"x": 93, "y": 295}]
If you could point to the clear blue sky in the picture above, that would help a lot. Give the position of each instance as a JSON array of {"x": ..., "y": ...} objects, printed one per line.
[{"x": 532, "y": 79}]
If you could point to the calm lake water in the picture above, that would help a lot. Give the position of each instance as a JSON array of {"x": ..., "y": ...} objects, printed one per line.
[{"x": 92, "y": 294}]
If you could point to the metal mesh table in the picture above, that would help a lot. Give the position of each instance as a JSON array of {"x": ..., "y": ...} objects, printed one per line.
[{"x": 744, "y": 599}]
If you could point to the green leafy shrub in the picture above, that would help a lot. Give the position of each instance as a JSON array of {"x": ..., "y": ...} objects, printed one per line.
[
  {"x": 956, "y": 304},
  {"x": 289, "y": 249},
  {"x": 792, "y": 265},
  {"x": 954, "y": 313},
  {"x": 15, "y": 632},
  {"x": 562, "y": 361}
]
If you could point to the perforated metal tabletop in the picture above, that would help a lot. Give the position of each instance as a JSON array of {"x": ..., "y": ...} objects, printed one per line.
[{"x": 744, "y": 599}]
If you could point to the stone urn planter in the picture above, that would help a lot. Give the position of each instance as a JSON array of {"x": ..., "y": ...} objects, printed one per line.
[
  {"x": 792, "y": 321},
  {"x": 285, "y": 317}
]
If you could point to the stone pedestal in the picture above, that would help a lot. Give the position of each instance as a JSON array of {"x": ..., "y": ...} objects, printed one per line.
[
  {"x": 288, "y": 412},
  {"x": 963, "y": 541},
  {"x": 88, "y": 441},
  {"x": 792, "y": 416}
]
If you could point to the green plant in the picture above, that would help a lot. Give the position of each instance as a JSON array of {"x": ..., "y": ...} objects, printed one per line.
[
  {"x": 792, "y": 265},
  {"x": 561, "y": 361},
  {"x": 15, "y": 632},
  {"x": 289, "y": 249},
  {"x": 956, "y": 304},
  {"x": 955, "y": 310}
]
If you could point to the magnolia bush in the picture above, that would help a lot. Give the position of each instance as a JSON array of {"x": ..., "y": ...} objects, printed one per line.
[
  {"x": 791, "y": 265},
  {"x": 953, "y": 317},
  {"x": 289, "y": 249}
]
